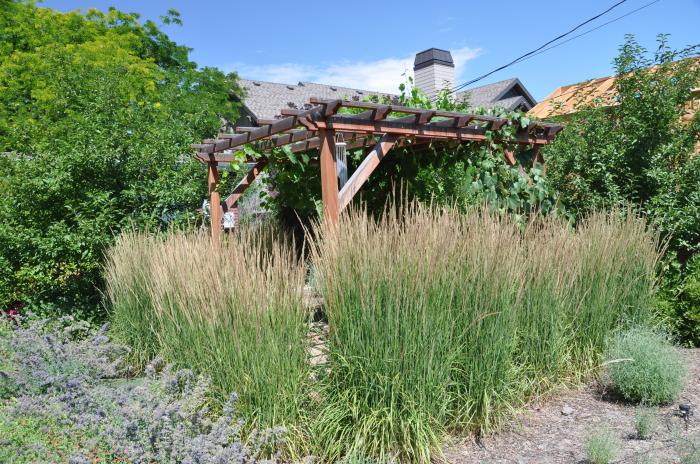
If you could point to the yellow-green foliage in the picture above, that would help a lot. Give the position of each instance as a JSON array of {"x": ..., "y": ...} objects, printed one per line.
[{"x": 96, "y": 112}]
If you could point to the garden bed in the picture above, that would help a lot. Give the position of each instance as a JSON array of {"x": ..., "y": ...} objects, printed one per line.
[{"x": 554, "y": 429}]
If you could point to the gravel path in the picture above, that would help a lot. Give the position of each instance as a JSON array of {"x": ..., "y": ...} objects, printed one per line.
[{"x": 554, "y": 430}]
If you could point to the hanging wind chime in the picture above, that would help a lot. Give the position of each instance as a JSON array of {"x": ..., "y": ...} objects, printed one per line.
[{"x": 341, "y": 159}]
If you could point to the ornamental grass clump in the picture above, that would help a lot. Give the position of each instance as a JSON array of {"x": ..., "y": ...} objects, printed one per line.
[
  {"x": 441, "y": 321},
  {"x": 128, "y": 275},
  {"x": 579, "y": 285},
  {"x": 421, "y": 328},
  {"x": 233, "y": 313},
  {"x": 644, "y": 366}
]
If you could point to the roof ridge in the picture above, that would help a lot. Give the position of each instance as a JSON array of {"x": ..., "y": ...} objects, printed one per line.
[{"x": 304, "y": 83}]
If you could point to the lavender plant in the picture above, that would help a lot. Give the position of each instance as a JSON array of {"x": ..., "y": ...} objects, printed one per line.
[{"x": 76, "y": 385}]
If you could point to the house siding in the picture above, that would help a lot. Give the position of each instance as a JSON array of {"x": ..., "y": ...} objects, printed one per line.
[{"x": 434, "y": 78}]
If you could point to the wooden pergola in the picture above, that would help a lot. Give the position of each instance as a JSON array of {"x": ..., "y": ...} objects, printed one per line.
[{"x": 378, "y": 126}]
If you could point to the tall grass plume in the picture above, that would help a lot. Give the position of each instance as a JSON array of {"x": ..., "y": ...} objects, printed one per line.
[
  {"x": 234, "y": 313},
  {"x": 441, "y": 321}
]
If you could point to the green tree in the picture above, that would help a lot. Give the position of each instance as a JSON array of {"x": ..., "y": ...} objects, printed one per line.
[
  {"x": 643, "y": 150},
  {"x": 638, "y": 150},
  {"x": 97, "y": 112}
]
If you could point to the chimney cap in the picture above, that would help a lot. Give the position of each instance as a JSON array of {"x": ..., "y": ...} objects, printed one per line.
[{"x": 433, "y": 56}]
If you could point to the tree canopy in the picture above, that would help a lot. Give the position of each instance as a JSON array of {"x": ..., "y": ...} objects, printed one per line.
[
  {"x": 97, "y": 112},
  {"x": 640, "y": 150}
]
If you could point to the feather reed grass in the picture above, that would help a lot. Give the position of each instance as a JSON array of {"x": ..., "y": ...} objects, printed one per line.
[
  {"x": 441, "y": 321},
  {"x": 235, "y": 314}
]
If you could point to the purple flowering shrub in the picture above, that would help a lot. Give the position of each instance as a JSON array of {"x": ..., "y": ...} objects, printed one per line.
[
  {"x": 47, "y": 355},
  {"x": 72, "y": 377}
]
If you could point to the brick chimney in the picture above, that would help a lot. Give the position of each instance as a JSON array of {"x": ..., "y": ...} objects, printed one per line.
[{"x": 433, "y": 70}]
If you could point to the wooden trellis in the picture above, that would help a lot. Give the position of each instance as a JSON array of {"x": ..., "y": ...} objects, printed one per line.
[{"x": 380, "y": 126}]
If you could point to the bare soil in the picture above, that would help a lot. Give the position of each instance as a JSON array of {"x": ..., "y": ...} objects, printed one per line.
[{"x": 554, "y": 430}]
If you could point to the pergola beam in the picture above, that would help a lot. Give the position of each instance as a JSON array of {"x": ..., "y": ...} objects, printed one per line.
[
  {"x": 310, "y": 144},
  {"x": 376, "y": 120},
  {"x": 388, "y": 126},
  {"x": 417, "y": 111},
  {"x": 236, "y": 140}
]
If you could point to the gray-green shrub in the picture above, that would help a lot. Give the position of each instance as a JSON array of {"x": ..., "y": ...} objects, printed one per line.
[
  {"x": 644, "y": 422},
  {"x": 70, "y": 403},
  {"x": 601, "y": 446},
  {"x": 644, "y": 366}
]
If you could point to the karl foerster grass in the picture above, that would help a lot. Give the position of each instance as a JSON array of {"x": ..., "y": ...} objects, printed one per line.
[
  {"x": 442, "y": 321},
  {"x": 234, "y": 313},
  {"x": 439, "y": 321}
]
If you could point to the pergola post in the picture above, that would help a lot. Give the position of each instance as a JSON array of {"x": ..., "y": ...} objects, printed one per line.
[
  {"x": 214, "y": 202},
  {"x": 329, "y": 177}
]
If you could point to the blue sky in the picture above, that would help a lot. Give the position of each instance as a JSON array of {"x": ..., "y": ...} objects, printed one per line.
[{"x": 369, "y": 44}]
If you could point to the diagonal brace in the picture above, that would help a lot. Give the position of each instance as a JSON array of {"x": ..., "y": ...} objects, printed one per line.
[
  {"x": 363, "y": 171},
  {"x": 232, "y": 199}
]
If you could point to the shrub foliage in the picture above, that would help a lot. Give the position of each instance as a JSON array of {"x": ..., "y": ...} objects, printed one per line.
[
  {"x": 97, "y": 112},
  {"x": 645, "y": 367},
  {"x": 640, "y": 150}
]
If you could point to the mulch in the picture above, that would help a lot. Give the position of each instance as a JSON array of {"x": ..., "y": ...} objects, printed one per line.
[{"x": 553, "y": 430}]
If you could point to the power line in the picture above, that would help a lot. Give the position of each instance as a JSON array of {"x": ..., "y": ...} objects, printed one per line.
[
  {"x": 576, "y": 88},
  {"x": 530, "y": 53},
  {"x": 580, "y": 87},
  {"x": 590, "y": 30}
]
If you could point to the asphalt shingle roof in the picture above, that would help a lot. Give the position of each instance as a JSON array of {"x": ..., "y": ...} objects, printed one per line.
[
  {"x": 264, "y": 100},
  {"x": 492, "y": 95}
]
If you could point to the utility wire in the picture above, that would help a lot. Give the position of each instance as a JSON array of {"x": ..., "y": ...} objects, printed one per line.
[
  {"x": 530, "y": 53},
  {"x": 579, "y": 88},
  {"x": 590, "y": 30}
]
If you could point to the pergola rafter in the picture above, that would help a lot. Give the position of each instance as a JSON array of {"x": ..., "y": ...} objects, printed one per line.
[{"x": 361, "y": 125}]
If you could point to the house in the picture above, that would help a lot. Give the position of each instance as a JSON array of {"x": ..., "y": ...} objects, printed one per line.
[
  {"x": 568, "y": 99},
  {"x": 433, "y": 71}
]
